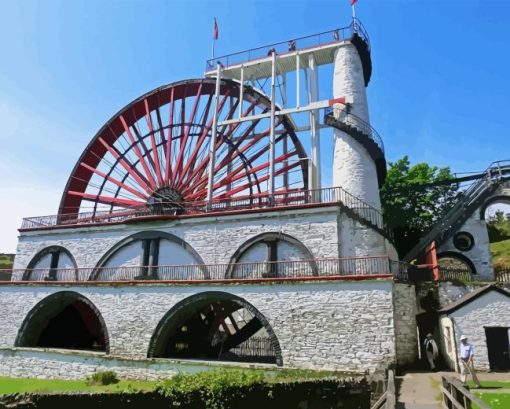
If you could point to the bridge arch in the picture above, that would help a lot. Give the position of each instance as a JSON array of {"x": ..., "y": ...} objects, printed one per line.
[
  {"x": 215, "y": 325},
  {"x": 459, "y": 257},
  {"x": 500, "y": 198},
  {"x": 64, "y": 320}
]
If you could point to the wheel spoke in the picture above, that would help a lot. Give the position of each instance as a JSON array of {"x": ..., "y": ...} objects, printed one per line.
[{"x": 153, "y": 143}]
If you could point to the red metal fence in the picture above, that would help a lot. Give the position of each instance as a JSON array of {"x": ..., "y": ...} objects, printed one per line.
[
  {"x": 331, "y": 195},
  {"x": 292, "y": 269}
]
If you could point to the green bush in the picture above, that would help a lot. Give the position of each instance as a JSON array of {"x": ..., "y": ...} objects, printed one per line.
[
  {"x": 215, "y": 389},
  {"x": 103, "y": 378}
]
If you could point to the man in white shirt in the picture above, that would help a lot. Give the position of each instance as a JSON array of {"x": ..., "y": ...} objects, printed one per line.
[{"x": 466, "y": 361}]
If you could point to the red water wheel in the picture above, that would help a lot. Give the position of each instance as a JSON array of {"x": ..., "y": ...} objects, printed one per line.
[{"x": 156, "y": 150}]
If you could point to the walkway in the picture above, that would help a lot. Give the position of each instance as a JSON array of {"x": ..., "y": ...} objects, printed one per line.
[{"x": 420, "y": 390}]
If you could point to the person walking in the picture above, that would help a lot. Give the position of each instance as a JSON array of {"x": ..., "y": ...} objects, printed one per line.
[
  {"x": 431, "y": 351},
  {"x": 466, "y": 361}
]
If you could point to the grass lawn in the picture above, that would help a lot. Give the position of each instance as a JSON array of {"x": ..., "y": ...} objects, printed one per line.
[
  {"x": 20, "y": 385},
  {"x": 501, "y": 252},
  {"x": 491, "y": 384},
  {"x": 6, "y": 261},
  {"x": 495, "y": 400}
]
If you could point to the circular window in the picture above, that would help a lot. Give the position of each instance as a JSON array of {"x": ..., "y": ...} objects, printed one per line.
[{"x": 463, "y": 241}]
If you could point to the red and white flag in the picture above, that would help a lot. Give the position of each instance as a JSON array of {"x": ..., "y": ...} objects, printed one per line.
[
  {"x": 353, "y": 2},
  {"x": 215, "y": 30}
]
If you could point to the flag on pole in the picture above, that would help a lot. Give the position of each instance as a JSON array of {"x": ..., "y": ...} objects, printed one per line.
[
  {"x": 215, "y": 31},
  {"x": 353, "y": 2}
]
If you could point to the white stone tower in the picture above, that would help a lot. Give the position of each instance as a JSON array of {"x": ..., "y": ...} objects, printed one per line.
[{"x": 354, "y": 169}]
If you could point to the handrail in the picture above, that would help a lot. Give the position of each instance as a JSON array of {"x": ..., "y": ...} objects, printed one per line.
[
  {"x": 326, "y": 37},
  {"x": 388, "y": 400},
  {"x": 496, "y": 171},
  {"x": 355, "y": 121},
  {"x": 292, "y": 269},
  {"x": 456, "y": 396},
  {"x": 333, "y": 195}
]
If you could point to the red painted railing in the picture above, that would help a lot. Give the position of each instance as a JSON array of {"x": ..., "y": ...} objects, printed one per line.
[
  {"x": 332, "y": 195},
  {"x": 292, "y": 269}
]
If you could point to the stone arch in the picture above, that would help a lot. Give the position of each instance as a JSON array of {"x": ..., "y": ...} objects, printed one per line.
[
  {"x": 459, "y": 256},
  {"x": 501, "y": 198},
  {"x": 180, "y": 316},
  {"x": 55, "y": 252},
  {"x": 201, "y": 268},
  {"x": 67, "y": 320},
  {"x": 270, "y": 237}
]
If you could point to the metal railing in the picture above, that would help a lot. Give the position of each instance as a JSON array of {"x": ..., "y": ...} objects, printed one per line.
[
  {"x": 455, "y": 274},
  {"x": 497, "y": 171},
  {"x": 314, "y": 40},
  {"x": 331, "y": 195},
  {"x": 456, "y": 396},
  {"x": 353, "y": 266},
  {"x": 353, "y": 121},
  {"x": 502, "y": 275}
]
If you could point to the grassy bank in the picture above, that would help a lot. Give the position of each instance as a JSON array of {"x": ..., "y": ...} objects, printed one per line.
[
  {"x": 501, "y": 252},
  {"x": 6, "y": 260},
  {"x": 21, "y": 385}
]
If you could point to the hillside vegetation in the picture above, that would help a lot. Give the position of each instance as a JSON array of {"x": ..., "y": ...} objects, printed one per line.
[
  {"x": 6, "y": 260},
  {"x": 501, "y": 253}
]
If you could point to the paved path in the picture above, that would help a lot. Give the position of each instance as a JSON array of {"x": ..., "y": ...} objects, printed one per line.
[{"x": 420, "y": 390}]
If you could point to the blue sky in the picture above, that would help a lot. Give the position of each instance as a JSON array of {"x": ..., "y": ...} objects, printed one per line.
[{"x": 439, "y": 92}]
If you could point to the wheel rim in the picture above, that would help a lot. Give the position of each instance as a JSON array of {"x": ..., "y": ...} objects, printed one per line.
[{"x": 156, "y": 150}]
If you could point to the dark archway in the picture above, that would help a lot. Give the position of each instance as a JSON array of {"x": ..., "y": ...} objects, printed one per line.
[
  {"x": 271, "y": 239},
  {"x": 53, "y": 271},
  {"x": 215, "y": 325},
  {"x": 65, "y": 320},
  {"x": 149, "y": 267},
  {"x": 451, "y": 261}
]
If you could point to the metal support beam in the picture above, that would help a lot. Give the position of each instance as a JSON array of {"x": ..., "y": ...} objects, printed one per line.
[
  {"x": 271, "y": 182},
  {"x": 241, "y": 92},
  {"x": 298, "y": 91},
  {"x": 313, "y": 96},
  {"x": 212, "y": 146},
  {"x": 285, "y": 138}
]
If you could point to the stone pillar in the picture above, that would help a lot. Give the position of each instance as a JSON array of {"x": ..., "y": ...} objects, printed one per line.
[{"x": 353, "y": 168}]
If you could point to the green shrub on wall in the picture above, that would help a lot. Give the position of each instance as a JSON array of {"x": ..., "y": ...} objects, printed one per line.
[{"x": 103, "y": 378}]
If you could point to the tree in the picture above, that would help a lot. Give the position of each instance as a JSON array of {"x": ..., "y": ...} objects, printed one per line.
[
  {"x": 413, "y": 201},
  {"x": 498, "y": 226}
]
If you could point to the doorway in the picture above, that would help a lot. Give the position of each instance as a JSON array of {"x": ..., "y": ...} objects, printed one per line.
[{"x": 498, "y": 348}]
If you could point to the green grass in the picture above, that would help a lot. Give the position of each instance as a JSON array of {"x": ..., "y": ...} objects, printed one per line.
[
  {"x": 491, "y": 384},
  {"x": 501, "y": 252},
  {"x": 494, "y": 400},
  {"x": 6, "y": 260},
  {"x": 20, "y": 385}
]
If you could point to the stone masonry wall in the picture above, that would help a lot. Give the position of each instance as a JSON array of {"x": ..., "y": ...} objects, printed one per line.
[
  {"x": 214, "y": 238},
  {"x": 404, "y": 300},
  {"x": 489, "y": 310},
  {"x": 333, "y": 325}
]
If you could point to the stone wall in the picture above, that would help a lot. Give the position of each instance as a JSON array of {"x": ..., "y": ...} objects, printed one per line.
[
  {"x": 215, "y": 239},
  {"x": 491, "y": 309},
  {"x": 333, "y": 325},
  {"x": 404, "y": 301}
]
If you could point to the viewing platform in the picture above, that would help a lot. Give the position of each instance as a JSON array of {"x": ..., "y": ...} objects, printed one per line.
[
  {"x": 256, "y": 62},
  {"x": 254, "y": 203}
]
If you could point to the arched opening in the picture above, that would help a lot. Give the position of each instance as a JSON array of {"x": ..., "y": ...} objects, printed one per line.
[
  {"x": 54, "y": 263},
  {"x": 217, "y": 326},
  {"x": 455, "y": 265},
  {"x": 153, "y": 255},
  {"x": 65, "y": 320},
  {"x": 496, "y": 213},
  {"x": 272, "y": 255}
]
